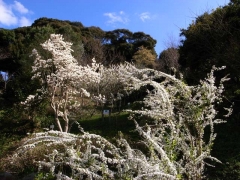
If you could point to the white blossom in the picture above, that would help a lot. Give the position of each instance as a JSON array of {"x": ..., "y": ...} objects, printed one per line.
[{"x": 62, "y": 78}]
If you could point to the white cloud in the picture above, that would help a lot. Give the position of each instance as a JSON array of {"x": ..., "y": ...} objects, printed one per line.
[
  {"x": 117, "y": 18},
  {"x": 20, "y": 8},
  {"x": 147, "y": 16},
  {"x": 10, "y": 14},
  {"x": 7, "y": 17},
  {"x": 144, "y": 16},
  {"x": 24, "y": 22}
]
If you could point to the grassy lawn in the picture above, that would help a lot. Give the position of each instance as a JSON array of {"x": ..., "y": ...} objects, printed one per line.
[{"x": 108, "y": 126}]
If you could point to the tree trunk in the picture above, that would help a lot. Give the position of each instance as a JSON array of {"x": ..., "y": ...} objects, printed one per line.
[{"x": 55, "y": 109}]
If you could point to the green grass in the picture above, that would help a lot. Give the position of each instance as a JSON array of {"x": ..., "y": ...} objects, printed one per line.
[
  {"x": 7, "y": 143},
  {"x": 109, "y": 126}
]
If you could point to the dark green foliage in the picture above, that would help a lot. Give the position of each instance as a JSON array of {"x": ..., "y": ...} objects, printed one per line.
[
  {"x": 142, "y": 39},
  {"x": 168, "y": 61},
  {"x": 214, "y": 39},
  {"x": 7, "y": 41},
  {"x": 119, "y": 41},
  {"x": 127, "y": 43},
  {"x": 236, "y": 2},
  {"x": 14, "y": 126},
  {"x": 92, "y": 38},
  {"x": 226, "y": 148},
  {"x": 108, "y": 47},
  {"x": 17, "y": 64}
]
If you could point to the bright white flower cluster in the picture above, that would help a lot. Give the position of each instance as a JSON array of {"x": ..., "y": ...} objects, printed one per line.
[
  {"x": 63, "y": 80},
  {"x": 91, "y": 156},
  {"x": 179, "y": 115}
]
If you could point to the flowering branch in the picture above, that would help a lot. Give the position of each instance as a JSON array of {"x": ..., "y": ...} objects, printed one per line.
[{"x": 63, "y": 80}]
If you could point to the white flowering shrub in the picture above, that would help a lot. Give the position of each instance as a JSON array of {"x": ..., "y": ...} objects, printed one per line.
[
  {"x": 89, "y": 156},
  {"x": 108, "y": 92},
  {"x": 180, "y": 116},
  {"x": 179, "y": 133},
  {"x": 63, "y": 81}
]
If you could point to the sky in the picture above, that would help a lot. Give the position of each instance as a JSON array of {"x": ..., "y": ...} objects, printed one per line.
[{"x": 161, "y": 19}]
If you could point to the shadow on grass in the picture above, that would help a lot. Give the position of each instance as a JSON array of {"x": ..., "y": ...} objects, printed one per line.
[
  {"x": 109, "y": 126},
  {"x": 227, "y": 149}
]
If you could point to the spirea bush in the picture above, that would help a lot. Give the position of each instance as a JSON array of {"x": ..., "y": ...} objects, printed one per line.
[
  {"x": 87, "y": 156},
  {"x": 180, "y": 116},
  {"x": 175, "y": 133}
]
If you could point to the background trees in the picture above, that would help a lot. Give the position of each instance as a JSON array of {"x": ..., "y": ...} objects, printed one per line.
[
  {"x": 213, "y": 39},
  {"x": 168, "y": 60},
  {"x": 110, "y": 47},
  {"x": 144, "y": 58},
  {"x": 126, "y": 44}
]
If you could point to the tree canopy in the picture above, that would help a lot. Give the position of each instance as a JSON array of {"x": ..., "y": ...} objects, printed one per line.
[
  {"x": 111, "y": 47},
  {"x": 213, "y": 39}
]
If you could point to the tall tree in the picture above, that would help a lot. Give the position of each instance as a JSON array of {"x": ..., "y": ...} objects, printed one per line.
[
  {"x": 213, "y": 39},
  {"x": 126, "y": 43},
  {"x": 63, "y": 81},
  {"x": 118, "y": 42},
  {"x": 92, "y": 38},
  {"x": 168, "y": 60},
  {"x": 17, "y": 65},
  {"x": 144, "y": 58},
  {"x": 142, "y": 39}
]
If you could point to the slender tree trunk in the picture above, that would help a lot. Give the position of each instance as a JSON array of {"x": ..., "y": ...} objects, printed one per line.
[
  {"x": 58, "y": 123},
  {"x": 65, "y": 112},
  {"x": 66, "y": 125},
  {"x": 56, "y": 117},
  {"x": 55, "y": 108}
]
